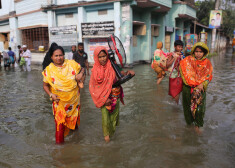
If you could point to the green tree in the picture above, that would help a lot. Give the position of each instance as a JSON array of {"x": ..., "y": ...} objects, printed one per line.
[{"x": 228, "y": 21}]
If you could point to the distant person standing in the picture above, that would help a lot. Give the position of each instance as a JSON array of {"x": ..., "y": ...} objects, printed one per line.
[
  {"x": 20, "y": 50},
  {"x": 6, "y": 60},
  {"x": 73, "y": 51},
  {"x": 27, "y": 56},
  {"x": 12, "y": 57},
  {"x": 81, "y": 57},
  {"x": 0, "y": 60}
]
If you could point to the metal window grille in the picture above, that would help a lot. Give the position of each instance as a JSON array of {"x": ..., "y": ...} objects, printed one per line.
[{"x": 36, "y": 37}]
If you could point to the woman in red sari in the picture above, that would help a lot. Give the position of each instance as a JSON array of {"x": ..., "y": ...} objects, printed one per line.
[{"x": 103, "y": 94}]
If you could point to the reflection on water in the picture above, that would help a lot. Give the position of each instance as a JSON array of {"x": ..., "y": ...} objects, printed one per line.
[{"x": 152, "y": 131}]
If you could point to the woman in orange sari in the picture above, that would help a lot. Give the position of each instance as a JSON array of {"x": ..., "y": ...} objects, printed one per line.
[
  {"x": 159, "y": 62},
  {"x": 196, "y": 72},
  {"x": 105, "y": 96},
  {"x": 60, "y": 83}
]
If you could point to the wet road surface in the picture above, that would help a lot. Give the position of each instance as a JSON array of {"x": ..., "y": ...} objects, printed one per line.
[{"x": 152, "y": 131}]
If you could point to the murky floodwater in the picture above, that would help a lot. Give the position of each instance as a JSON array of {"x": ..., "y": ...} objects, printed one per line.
[{"x": 152, "y": 131}]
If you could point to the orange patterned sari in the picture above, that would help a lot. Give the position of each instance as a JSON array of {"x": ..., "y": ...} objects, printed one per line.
[
  {"x": 62, "y": 83},
  {"x": 193, "y": 71}
]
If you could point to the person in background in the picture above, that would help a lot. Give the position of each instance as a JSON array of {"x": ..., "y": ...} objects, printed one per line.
[
  {"x": 159, "y": 62},
  {"x": 173, "y": 67},
  {"x": 0, "y": 60},
  {"x": 81, "y": 57},
  {"x": 6, "y": 60},
  {"x": 27, "y": 56},
  {"x": 47, "y": 59},
  {"x": 20, "y": 50},
  {"x": 12, "y": 56},
  {"x": 196, "y": 72},
  {"x": 73, "y": 51}
]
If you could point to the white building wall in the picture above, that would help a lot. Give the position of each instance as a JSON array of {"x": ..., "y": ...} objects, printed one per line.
[
  {"x": 62, "y": 20},
  {"x": 29, "y": 5},
  {"x": 37, "y": 18},
  {"x": 92, "y": 16},
  {"x": 5, "y": 29},
  {"x": 62, "y": 2},
  {"x": 7, "y": 6}
]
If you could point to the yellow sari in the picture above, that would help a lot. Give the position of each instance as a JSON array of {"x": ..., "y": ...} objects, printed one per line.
[{"x": 62, "y": 83}]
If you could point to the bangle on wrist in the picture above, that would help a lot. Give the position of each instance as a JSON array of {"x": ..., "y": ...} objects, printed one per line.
[{"x": 51, "y": 95}]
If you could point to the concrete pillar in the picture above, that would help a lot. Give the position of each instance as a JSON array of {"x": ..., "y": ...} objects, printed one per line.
[
  {"x": 162, "y": 29},
  {"x": 15, "y": 38},
  {"x": 146, "y": 43},
  {"x": 117, "y": 18},
  {"x": 51, "y": 20},
  {"x": 181, "y": 30},
  {"x": 81, "y": 19},
  {"x": 127, "y": 31}
]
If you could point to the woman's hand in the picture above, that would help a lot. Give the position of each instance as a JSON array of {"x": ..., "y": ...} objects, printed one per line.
[
  {"x": 79, "y": 76},
  {"x": 108, "y": 102},
  {"x": 200, "y": 87},
  {"x": 130, "y": 72},
  {"x": 55, "y": 98}
]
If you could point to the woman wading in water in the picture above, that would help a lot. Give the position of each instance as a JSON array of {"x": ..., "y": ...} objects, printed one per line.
[
  {"x": 103, "y": 94},
  {"x": 60, "y": 83},
  {"x": 196, "y": 72}
]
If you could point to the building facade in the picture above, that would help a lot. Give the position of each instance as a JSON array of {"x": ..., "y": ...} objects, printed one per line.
[{"x": 140, "y": 24}]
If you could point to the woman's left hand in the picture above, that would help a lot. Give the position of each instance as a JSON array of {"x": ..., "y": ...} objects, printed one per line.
[
  {"x": 130, "y": 72},
  {"x": 200, "y": 87},
  {"x": 79, "y": 76}
]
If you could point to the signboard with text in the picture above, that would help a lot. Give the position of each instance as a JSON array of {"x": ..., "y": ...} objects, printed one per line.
[
  {"x": 64, "y": 36},
  {"x": 97, "y": 29},
  {"x": 169, "y": 29}
]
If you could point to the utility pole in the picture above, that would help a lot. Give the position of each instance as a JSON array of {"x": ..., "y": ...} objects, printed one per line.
[{"x": 217, "y": 3}]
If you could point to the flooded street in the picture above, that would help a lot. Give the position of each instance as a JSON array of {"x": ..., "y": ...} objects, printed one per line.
[{"x": 152, "y": 131}]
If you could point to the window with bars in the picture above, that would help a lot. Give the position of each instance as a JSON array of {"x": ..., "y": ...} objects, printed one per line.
[{"x": 36, "y": 37}]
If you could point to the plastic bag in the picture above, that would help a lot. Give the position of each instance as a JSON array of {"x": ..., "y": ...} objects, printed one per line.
[
  {"x": 22, "y": 61},
  {"x": 16, "y": 65}
]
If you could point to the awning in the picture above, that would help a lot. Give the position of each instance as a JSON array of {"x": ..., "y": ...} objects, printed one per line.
[
  {"x": 185, "y": 16},
  {"x": 201, "y": 25}
]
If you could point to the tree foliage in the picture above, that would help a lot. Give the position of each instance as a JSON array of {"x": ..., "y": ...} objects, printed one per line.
[{"x": 228, "y": 22}]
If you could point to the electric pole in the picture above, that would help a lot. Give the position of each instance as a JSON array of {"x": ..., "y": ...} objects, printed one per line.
[{"x": 217, "y": 3}]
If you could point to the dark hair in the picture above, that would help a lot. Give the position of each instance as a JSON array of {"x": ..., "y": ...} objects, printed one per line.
[
  {"x": 19, "y": 46},
  {"x": 9, "y": 48},
  {"x": 203, "y": 50},
  {"x": 217, "y": 13},
  {"x": 178, "y": 42},
  {"x": 103, "y": 52},
  {"x": 212, "y": 19},
  {"x": 80, "y": 44},
  {"x": 56, "y": 48},
  {"x": 47, "y": 59}
]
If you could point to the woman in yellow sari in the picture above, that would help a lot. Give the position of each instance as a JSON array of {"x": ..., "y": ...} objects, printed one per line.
[{"x": 60, "y": 83}]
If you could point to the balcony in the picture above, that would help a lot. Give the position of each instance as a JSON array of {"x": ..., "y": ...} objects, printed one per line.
[
  {"x": 161, "y": 5},
  {"x": 185, "y": 9}
]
